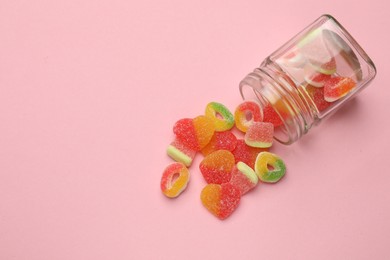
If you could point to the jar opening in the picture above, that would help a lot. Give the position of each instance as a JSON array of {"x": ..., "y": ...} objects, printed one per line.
[{"x": 281, "y": 133}]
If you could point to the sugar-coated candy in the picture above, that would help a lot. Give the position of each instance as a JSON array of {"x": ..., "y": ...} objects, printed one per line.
[
  {"x": 317, "y": 95},
  {"x": 185, "y": 132},
  {"x": 217, "y": 166},
  {"x": 180, "y": 152},
  {"x": 215, "y": 110},
  {"x": 246, "y": 154},
  {"x": 265, "y": 160},
  {"x": 246, "y": 113},
  {"x": 221, "y": 200},
  {"x": 260, "y": 134},
  {"x": 173, "y": 187},
  {"x": 294, "y": 59},
  {"x": 337, "y": 87},
  {"x": 316, "y": 79},
  {"x": 194, "y": 133},
  {"x": 204, "y": 129},
  {"x": 244, "y": 177},
  {"x": 316, "y": 52},
  {"x": 269, "y": 115},
  {"x": 220, "y": 141},
  {"x": 327, "y": 68}
]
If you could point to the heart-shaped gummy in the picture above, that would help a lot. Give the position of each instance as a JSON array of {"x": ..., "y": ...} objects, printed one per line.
[
  {"x": 221, "y": 200},
  {"x": 194, "y": 133},
  {"x": 185, "y": 132},
  {"x": 337, "y": 87},
  {"x": 217, "y": 166}
]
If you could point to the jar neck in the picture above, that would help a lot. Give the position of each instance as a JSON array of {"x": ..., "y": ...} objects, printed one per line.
[{"x": 268, "y": 84}]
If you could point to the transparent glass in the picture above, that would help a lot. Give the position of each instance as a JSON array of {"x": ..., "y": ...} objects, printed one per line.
[{"x": 309, "y": 77}]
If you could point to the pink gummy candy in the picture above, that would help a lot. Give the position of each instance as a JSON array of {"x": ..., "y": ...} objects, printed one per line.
[
  {"x": 260, "y": 134},
  {"x": 178, "y": 151},
  {"x": 244, "y": 177}
]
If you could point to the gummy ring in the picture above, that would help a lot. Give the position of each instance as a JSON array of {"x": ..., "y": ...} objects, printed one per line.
[
  {"x": 213, "y": 109},
  {"x": 172, "y": 188},
  {"x": 240, "y": 115},
  {"x": 266, "y": 159}
]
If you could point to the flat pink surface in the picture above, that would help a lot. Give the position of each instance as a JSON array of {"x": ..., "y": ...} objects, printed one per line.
[{"x": 89, "y": 91}]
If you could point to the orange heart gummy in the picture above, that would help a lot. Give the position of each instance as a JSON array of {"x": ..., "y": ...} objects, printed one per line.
[{"x": 221, "y": 200}]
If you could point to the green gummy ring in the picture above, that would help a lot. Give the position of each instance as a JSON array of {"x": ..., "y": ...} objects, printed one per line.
[
  {"x": 277, "y": 173},
  {"x": 220, "y": 124},
  {"x": 261, "y": 167}
]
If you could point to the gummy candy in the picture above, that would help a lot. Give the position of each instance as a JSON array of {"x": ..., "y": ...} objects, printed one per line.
[
  {"x": 185, "y": 132},
  {"x": 269, "y": 115},
  {"x": 337, "y": 87},
  {"x": 220, "y": 141},
  {"x": 194, "y": 133},
  {"x": 327, "y": 68},
  {"x": 260, "y": 134},
  {"x": 294, "y": 59},
  {"x": 246, "y": 154},
  {"x": 316, "y": 79},
  {"x": 314, "y": 49},
  {"x": 172, "y": 188},
  {"x": 317, "y": 95},
  {"x": 266, "y": 159},
  {"x": 204, "y": 130},
  {"x": 244, "y": 177},
  {"x": 243, "y": 111},
  {"x": 221, "y": 200},
  {"x": 217, "y": 166},
  {"x": 214, "y": 110},
  {"x": 181, "y": 153}
]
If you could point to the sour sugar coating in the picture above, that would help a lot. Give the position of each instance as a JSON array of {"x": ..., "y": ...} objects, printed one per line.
[
  {"x": 244, "y": 177},
  {"x": 221, "y": 200},
  {"x": 269, "y": 115},
  {"x": 220, "y": 141},
  {"x": 173, "y": 187},
  {"x": 317, "y": 95},
  {"x": 215, "y": 110},
  {"x": 260, "y": 134},
  {"x": 337, "y": 87},
  {"x": 246, "y": 154},
  {"x": 194, "y": 133},
  {"x": 217, "y": 166},
  {"x": 246, "y": 113},
  {"x": 266, "y": 159},
  {"x": 181, "y": 153}
]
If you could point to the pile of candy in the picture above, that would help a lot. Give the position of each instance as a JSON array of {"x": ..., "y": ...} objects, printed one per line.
[{"x": 231, "y": 167}]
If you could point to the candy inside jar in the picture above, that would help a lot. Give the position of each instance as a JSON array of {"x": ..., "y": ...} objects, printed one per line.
[{"x": 309, "y": 78}]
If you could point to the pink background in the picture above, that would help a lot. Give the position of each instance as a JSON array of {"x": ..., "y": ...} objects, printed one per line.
[{"x": 89, "y": 91}]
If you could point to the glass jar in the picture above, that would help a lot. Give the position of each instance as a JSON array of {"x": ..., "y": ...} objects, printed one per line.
[{"x": 309, "y": 78}]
